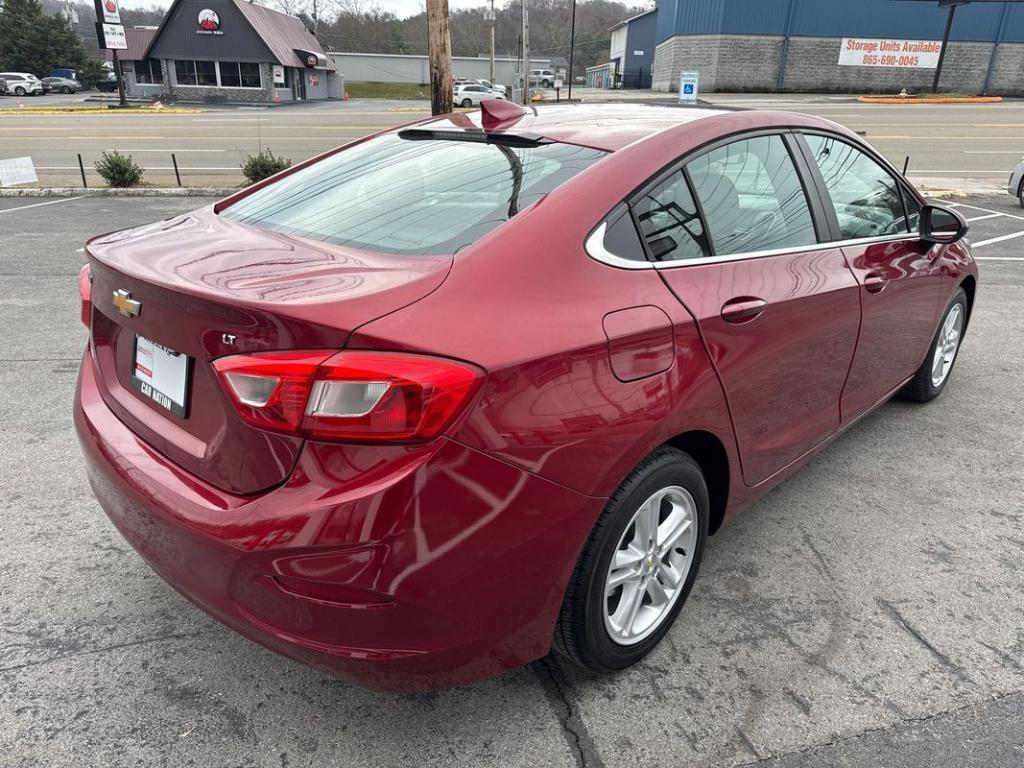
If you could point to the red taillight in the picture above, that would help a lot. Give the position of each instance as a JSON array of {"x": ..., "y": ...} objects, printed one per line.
[
  {"x": 359, "y": 395},
  {"x": 85, "y": 291}
]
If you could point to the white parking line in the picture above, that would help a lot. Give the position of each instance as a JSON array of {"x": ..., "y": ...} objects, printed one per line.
[
  {"x": 999, "y": 258},
  {"x": 986, "y": 210},
  {"x": 986, "y": 216},
  {"x": 37, "y": 205},
  {"x": 999, "y": 239}
]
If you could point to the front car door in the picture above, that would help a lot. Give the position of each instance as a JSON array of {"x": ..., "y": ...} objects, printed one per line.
[
  {"x": 875, "y": 217},
  {"x": 739, "y": 242}
]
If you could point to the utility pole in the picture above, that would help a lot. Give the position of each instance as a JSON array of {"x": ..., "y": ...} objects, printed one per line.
[
  {"x": 951, "y": 4},
  {"x": 526, "y": 53},
  {"x": 121, "y": 100},
  {"x": 439, "y": 50},
  {"x": 493, "y": 20},
  {"x": 572, "y": 45}
]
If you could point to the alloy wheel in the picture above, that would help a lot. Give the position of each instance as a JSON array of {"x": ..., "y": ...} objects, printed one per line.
[
  {"x": 649, "y": 568},
  {"x": 947, "y": 345}
]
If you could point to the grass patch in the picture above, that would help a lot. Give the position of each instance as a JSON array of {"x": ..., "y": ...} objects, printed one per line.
[{"x": 387, "y": 90}]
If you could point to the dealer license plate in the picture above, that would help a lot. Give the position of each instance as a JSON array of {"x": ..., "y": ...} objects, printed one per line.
[{"x": 161, "y": 374}]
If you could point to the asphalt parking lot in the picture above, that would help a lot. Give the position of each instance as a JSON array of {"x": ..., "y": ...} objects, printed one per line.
[{"x": 868, "y": 612}]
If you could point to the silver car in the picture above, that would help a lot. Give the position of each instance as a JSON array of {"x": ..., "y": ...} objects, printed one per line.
[
  {"x": 1016, "y": 184},
  {"x": 62, "y": 84}
]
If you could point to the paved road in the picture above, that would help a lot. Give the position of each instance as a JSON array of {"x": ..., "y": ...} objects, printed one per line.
[
  {"x": 965, "y": 147},
  {"x": 865, "y": 613}
]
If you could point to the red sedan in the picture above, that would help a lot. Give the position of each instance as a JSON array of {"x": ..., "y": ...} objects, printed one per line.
[{"x": 419, "y": 409}]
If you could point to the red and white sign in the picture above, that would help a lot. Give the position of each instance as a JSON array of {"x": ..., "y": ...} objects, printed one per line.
[
  {"x": 888, "y": 53},
  {"x": 111, "y": 13},
  {"x": 209, "y": 22}
]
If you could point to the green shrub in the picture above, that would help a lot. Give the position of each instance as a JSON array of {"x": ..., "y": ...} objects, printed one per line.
[
  {"x": 119, "y": 170},
  {"x": 263, "y": 164}
]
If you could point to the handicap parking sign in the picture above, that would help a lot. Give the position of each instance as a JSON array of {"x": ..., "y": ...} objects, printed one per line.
[{"x": 688, "y": 87}]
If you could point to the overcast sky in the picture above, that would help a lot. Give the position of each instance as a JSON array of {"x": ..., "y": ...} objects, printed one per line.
[{"x": 400, "y": 8}]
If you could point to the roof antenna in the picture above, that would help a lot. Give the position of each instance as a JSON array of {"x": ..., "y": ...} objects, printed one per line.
[
  {"x": 906, "y": 163},
  {"x": 497, "y": 111}
]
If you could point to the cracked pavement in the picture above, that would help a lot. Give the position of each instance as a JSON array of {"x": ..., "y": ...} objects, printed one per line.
[{"x": 867, "y": 612}]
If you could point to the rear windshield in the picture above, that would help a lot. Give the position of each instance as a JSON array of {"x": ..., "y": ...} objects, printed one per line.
[{"x": 411, "y": 196}]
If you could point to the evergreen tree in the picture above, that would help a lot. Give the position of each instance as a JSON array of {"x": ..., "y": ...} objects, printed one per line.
[{"x": 33, "y": 42}]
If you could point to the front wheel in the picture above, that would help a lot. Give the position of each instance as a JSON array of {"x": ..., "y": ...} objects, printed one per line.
[
  {"x": 65, "y": 89},
  {"x": 467, "y": 102},
  {"x": 19, "y": 91},
  {"x": 638, "y": 566},
  {"x": 931, "y": 377}
]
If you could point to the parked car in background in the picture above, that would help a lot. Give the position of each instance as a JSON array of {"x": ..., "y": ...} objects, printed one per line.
[
  {"x": 70, "y": 74},
  {"x": 62, "y": 84},
  {"x": 471, "y": 94},
  {"x": 1016, "y": 184},
  {"x": 335, "y": 454},
  {"x": 545, "y": 78},
  {"x": 23, "y": 84},
  {"x": 107, "y": 85},
  {"x": 494, "y": 87}
]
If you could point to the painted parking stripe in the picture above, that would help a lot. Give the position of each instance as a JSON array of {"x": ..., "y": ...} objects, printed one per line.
[
  {"x": 999, "y": 239},
  {"x": 986, "y": 216},
  {"x": 999, "y": 258},
  {"x": 37, "y": 205},
  {"x": 986, "y": 210}
]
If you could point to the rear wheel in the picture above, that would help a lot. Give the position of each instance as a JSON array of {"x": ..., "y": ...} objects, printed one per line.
[
  {"x": 65, "y": 89},
  {"x": 19, "y": 91},
  {"x": 1020, "y": 193},
  {"x": 638, "y": 565},
  {"x": 467, "y": 102},
  {"x": 931, "y": 377}
]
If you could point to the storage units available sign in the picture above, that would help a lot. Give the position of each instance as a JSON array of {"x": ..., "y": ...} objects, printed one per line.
[{"x": 871, "y": 52}]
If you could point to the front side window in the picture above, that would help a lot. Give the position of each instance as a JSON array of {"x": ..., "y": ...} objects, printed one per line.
[
  {"x": 669, "y": 221},
  {"x": 867, "y": 199},
  {"x": 410, "y": 196},
  {"x": 752, "y": 197}
]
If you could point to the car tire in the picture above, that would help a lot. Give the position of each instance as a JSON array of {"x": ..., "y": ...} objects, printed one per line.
[
  {"x": 467, "y": 102},
  {"x": 546, "y": 83},
  {"x": 65, "y": 89},
  {"x": 1020, "y": 193},
  {"x": 588, "y": 632},
  {"x": 19, "y": 91},
  {"x": 931, "y": 378}
]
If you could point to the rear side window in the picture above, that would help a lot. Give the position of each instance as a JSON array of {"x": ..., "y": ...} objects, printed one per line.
[
  {"x": 669, "y": 221},
  {"x": 411, "y": 196},
  {"x": 752, "y": 197},
  {"x": 867, "y": 198}
]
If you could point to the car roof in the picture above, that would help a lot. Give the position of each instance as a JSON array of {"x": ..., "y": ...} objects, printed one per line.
[{"x": 611, "y": 127}]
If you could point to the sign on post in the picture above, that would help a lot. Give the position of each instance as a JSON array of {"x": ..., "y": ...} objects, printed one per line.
[
  {"x": 107, "y": 11},
  {"x": 873, "y": 52},
  {"x": 111, "y": 36},
  {"x": 688, "y": 87},
  {"x": 17, "y": 170}
]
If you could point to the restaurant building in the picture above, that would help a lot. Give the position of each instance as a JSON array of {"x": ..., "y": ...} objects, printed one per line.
[{"x": 228, "y": 51}]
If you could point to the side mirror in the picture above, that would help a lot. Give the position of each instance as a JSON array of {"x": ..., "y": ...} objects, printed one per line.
[{"x": 941, "y": 225}]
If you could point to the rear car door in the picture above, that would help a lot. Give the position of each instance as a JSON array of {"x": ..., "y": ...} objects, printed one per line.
[
  {"x": 738, "y": 241},
  {"x": 875, "y": 219}
]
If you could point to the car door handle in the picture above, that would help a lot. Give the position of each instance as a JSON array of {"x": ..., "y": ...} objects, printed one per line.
[
  {"x": 874, "y": 282},
  {"x": 743, "y": 309}
]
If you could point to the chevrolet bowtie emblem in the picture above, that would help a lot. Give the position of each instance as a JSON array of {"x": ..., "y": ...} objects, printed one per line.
[{"x": 125, "y": 304}]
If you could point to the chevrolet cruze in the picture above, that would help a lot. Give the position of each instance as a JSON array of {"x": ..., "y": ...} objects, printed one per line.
[{"x": 422, "y": 408}]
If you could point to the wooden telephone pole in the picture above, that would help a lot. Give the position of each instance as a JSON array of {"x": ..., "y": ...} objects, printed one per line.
[
  {"x": 439, "y": 51},
  {"x": 526, "y": 53}
]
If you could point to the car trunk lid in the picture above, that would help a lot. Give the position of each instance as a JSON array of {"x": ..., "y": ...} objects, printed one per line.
[{"x": 205, "y": 287}]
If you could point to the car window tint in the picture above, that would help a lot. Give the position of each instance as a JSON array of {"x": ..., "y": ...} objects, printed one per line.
[
  {"x": 867, "y": 199},
  {"x": 752, "y": 197},
  {"x": 669, "y": 221},
  {"x": 411, "y": 196}
]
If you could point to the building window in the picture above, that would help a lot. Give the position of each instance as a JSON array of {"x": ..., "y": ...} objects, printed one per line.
[
  {"x": 235, "y": 74},
  {"x": 148, "y": 72},
  {"x": 196, "y": 72}
]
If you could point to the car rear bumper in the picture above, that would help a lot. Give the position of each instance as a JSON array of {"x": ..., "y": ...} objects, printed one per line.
[{"x": 398, "y": 568}]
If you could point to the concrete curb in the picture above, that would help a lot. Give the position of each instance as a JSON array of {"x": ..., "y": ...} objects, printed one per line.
[
  {"x": 929, "y": 100},
  {"x": 119, "y": 192}
]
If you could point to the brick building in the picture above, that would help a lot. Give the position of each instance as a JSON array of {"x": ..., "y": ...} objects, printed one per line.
[
  {"x": 798, "y": 45},
  {"x": 230, "y": 51}
]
